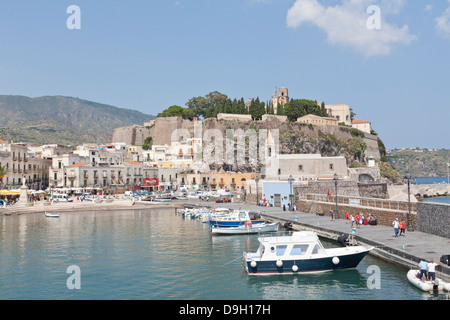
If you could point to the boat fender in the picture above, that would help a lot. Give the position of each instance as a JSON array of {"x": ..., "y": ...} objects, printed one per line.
[
  {"x": 253, "y": 264},
  {"x": 336, "y": 260},
  {"x": 294, "y": 268},
  {"x": 279, "y": 263}
]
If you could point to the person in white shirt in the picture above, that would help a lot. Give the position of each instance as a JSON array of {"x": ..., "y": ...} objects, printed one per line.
[
  {"x": 396, "y": 224},
  {"x": 431, "y": 268}
]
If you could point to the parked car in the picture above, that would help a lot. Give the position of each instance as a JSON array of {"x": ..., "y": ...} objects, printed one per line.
[
  {"x": 223, "y": 200},
  {"x": 3, "y": 202}
]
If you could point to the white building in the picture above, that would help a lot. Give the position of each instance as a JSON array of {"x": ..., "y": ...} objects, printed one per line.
[{"x": 305, "y": 167}]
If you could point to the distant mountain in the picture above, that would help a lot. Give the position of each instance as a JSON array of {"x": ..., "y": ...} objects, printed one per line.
[
  {"x": 420, "y": 162},
  {"x": 62, "y": 120}
]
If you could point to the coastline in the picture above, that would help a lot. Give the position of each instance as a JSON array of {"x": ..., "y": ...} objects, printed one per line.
[{"x": 78, "y": 206}]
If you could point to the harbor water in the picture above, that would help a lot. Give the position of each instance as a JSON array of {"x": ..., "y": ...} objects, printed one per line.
[{"x": 160, "y": 255}]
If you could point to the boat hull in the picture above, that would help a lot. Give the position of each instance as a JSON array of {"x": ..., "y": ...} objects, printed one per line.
[
  {"x": 312, "y": 265},
  {"x": 232, "y": 223},
  {"x": 258, "y": 228},
  {"x": 51, "y": 215}
]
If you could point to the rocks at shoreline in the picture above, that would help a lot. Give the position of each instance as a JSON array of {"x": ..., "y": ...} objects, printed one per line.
[{"x": 419, "y": 191}]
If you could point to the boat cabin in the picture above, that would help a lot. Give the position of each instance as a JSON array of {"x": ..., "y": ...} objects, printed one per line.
[{"x": 301, "y": 245}]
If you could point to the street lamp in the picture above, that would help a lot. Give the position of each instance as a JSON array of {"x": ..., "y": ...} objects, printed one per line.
[
  {"x": 291, "y": 198},
  {"x": 257, "y": 191},
  {"x": 408, "y": 177},
  {"x": 335, "y": 179}
]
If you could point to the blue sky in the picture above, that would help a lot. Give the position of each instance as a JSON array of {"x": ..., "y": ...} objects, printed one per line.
[{"x": 149, "y": 55}]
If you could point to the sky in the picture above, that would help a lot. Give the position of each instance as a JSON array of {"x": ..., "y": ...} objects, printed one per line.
[{"x": 389, "y": 60}]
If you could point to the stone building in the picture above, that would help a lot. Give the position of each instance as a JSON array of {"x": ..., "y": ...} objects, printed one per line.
[
  {"x": 341, "y": 112},
  {"x": 305, "y": 167},
  {"x": 318, "y": 121},
  {"x": 363, "y": 125},
  {"x": 279, "y": 98},
  {"x": 23, "y": 166}
]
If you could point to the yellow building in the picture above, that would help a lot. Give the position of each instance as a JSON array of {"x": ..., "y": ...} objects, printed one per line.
[{"x": 318, "y": 121}]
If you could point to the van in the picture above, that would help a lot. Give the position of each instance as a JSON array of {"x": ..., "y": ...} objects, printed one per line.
[{"x": 61, "y": 197}]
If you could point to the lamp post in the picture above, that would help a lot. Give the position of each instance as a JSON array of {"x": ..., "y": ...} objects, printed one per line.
[
  {"x": 291, "y": 198},
  {"x": 335, "y": 179},
  {"x": 408, "y": 177},
  {"x": 257, "y": 191}
]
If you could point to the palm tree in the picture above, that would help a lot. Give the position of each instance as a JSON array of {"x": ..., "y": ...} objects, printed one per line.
[{"x": 3, "y": 172}]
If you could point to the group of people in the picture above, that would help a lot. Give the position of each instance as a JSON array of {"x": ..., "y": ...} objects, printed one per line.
[
  {"x": 427, "y": 270},
  {"x": 355, "y": 220},
  {"x": 399, "y": 228}
]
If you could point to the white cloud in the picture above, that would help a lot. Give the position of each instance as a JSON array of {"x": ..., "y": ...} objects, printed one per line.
[
  {"x": 443, "y": 22},
  {"x": 346, "y": 24}
]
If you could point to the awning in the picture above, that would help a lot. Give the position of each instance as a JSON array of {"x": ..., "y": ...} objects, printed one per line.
[{"x": 9, "y": 193}]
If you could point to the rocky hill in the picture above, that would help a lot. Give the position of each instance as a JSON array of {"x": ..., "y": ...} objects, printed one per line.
[
  {"x": 294, "y": 137},
  {"x": 62, "y": 120}
]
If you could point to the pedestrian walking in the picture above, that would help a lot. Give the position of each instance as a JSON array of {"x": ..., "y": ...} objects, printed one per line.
[
  {"x": 402, "y": 228},
  {"x": 396, "y": 225},
  {"x": 358, "y": 218},
  {"x": 332, "y": 215},
  {"x": 352, "y": 219},
  {"x": 346, "y": 217}
]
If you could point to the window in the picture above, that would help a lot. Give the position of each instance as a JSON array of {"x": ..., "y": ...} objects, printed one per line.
[
  {"x": 300, "y": 167},
  {"x": 331, "y": 166},
  {"x": 299, "y": 249},
  {"x": 316, "y": 249},
  {"x": 281, "y": 250}
]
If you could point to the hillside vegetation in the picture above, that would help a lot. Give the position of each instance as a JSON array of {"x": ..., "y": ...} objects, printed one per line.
[
  {"x": 63, "y": 120},
  {"x": 420, "y": 162}
]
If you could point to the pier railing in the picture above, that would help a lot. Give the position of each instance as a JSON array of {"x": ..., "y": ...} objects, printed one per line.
[{"x": 362, "y": 202}]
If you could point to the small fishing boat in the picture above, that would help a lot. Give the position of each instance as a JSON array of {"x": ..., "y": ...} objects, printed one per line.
[
  {"x": 301, "y": 252},
  {"x": 235, "y": 219},
  {"x": 247, "y": 228},
  {"x": 437, "y": 285},
  {"x": 52, "y": 215}
]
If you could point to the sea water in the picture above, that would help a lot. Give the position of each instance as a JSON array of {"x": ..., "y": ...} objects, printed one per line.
[{"x": 160, "y": 255}]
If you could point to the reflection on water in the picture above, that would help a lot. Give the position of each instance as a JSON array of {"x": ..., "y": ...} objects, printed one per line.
[{"x": 157, "y": 254}]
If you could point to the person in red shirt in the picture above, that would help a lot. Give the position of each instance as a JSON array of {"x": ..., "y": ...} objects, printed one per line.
[{"x": 402, "y": 227}]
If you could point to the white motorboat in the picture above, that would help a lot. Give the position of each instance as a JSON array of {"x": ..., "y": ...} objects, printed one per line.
[
  {"x": 247, "y": 228},
  {"x": 52, "y": 215},
  {"x": 235, "y": 219},
  {"x": 301, "y": 252},
  {"x": 437, "y": 285}
]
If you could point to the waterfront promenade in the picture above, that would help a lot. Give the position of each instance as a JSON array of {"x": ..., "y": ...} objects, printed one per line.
[{"x": 405, "y": 250}]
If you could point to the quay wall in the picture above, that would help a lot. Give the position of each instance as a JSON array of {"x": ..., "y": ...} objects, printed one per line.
[
  {"x": 384, "y": 216},
  {"x": 430, "y": 218},
  {"x": 377, "y": 190},
  {"x": 434, "y": 218}
]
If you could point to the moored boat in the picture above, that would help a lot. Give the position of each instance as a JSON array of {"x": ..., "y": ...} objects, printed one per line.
[
  {"x": 301, "y": 252},
  {"x": 247, "y": 228},
  {"x": 437, "y": 285},
  {"x": 52, "y": 215},
  {"x": 235, "y": 219}
]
